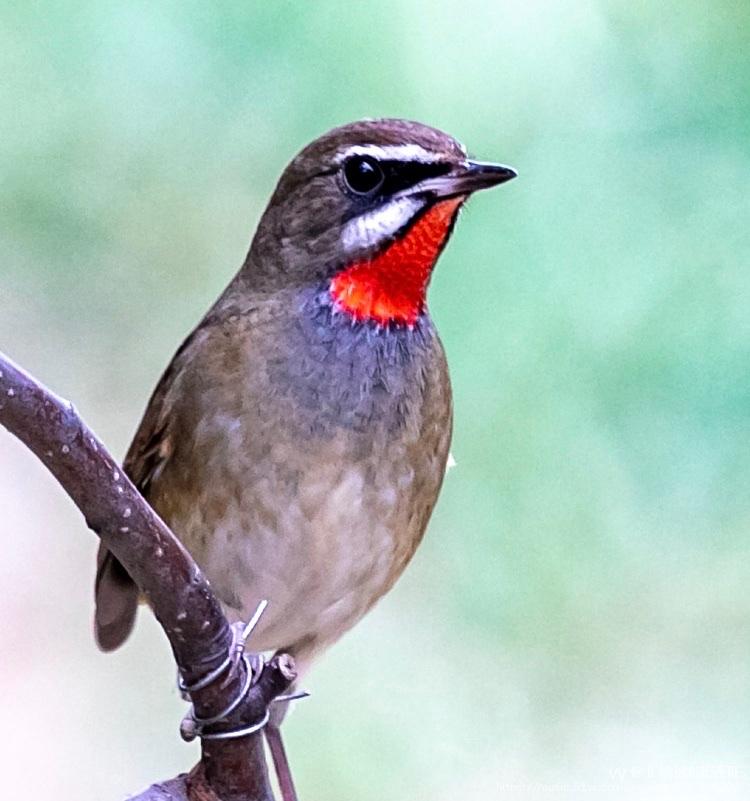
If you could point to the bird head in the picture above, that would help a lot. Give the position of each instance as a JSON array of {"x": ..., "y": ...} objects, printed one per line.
[{"x": 364, "y": 211}]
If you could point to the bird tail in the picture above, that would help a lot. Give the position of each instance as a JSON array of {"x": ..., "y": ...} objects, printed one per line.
[{"x": 116, "y": 602}]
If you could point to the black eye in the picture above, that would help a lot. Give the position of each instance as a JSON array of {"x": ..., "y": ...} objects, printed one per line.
[{"x": 363, "y": 174}]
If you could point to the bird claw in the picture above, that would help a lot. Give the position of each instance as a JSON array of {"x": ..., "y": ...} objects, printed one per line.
[
  {"x": 236, "y": 652},
  {"x": 240, "y": 634},
  {"x": 193, "y": 726}
]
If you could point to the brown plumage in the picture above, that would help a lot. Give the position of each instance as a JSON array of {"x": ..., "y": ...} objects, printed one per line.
[{"x": 297, "y": 441}]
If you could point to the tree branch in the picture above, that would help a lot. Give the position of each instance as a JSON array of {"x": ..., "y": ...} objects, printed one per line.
[{"x": 185, "y": 606}]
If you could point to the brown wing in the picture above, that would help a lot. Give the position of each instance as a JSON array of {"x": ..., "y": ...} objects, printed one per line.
[{"x": 115, "y": 592}]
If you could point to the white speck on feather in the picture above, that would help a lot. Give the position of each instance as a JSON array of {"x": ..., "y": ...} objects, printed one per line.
[
  {"x": 124, "y": 529},
  {"x": 11, "y": 392},
  {"x": 115, "y": 475},
  {"x": 65, "y": 449},
  {"x": 159, "y": 552},
  {"x": 121, "y": 490},
  {"x": 181, "y": 615},
  {"x": 128, "y": 511}
]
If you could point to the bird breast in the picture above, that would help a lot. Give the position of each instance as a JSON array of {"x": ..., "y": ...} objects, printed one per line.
[{"x": 306, "y": 465}]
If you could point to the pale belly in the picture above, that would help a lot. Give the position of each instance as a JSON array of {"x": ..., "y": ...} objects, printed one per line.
[{"x": 321, "y": 548}]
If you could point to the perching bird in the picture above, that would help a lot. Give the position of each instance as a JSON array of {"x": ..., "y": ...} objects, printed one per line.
[{"x": 297, "y": 441}]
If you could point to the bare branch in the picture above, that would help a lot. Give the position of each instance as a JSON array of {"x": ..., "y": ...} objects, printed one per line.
[{"x": 187, "y": 609}]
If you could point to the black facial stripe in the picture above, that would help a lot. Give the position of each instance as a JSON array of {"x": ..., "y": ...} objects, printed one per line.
[{"x": 400, "y": 175}]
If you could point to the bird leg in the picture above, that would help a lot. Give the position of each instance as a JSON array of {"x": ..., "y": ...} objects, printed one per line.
[
  {"x": 280, "y": 762},
  {"x": 241, "y": 632},
  {"x": 276, "y": 744},
  {"x": 193, "y": 726},
  {"x": 254, "y": 662}
]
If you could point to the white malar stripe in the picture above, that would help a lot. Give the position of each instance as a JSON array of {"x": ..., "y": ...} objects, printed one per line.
[
  {"x": 372, "y": 227},
  {"x": 391, "y": 153}
]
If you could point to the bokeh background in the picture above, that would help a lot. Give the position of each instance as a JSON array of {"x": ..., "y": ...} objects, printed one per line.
[{"x": 577, "y": 622}]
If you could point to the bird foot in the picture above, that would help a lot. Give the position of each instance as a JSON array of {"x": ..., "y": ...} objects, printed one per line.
[
  {"x": 280, "y": 763},
  {"x": 237, "y": 655},
  {"x": 193, "y": 726}
]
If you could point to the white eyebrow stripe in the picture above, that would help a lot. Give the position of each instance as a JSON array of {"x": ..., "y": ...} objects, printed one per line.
[
  {"x": 391, "y": 153},
  {"x": 374, "y": 226}
]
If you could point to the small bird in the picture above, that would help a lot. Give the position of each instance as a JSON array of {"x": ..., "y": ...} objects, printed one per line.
[{"x": 298, "y": 439}]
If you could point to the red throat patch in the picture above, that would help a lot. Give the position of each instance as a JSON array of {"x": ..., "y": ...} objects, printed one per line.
[{"x": 392, "y": 286}]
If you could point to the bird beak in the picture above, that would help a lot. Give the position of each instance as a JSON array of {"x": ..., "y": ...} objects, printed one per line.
[
  {"x": 476, "y": 175},
  {"x": 465, "y": 178}
]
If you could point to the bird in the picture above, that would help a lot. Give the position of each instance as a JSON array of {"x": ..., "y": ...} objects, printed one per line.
[{"x": 297, "y": 442}]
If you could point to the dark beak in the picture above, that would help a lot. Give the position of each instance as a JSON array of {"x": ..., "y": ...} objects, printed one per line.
[
  {"x": 465, "y": 178},
  {"x": 483, "y": 175}
]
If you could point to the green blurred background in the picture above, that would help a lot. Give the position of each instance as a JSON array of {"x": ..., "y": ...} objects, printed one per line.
[{"x": 577, "y": 622}]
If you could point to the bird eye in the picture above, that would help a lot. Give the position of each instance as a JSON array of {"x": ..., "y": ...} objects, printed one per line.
[{"x": 363, "y": 175}]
